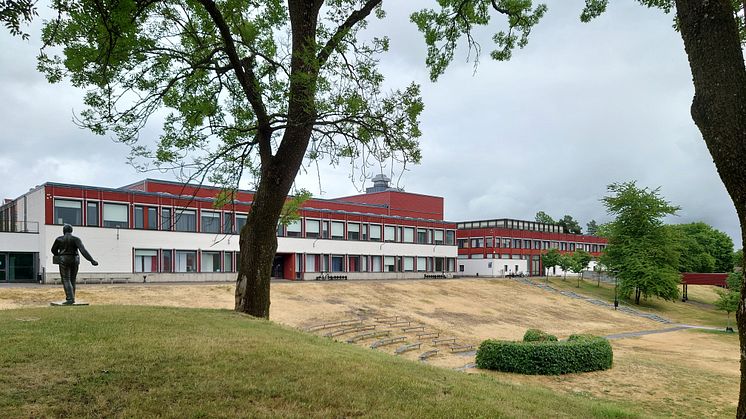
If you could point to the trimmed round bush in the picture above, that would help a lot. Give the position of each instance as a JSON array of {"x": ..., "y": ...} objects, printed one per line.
[
  {"x": 579, "y": 353},
  {"x": 536, "y": 335}
]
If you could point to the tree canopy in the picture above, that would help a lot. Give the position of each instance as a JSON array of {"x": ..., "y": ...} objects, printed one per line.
[
  {"x": 570, "y": 225},
  {"x": 702, "y": 248},
  {"x": 543, "y": 217},
  {"x": 550, "y": 259},
  {"x": 641, "y": 252}
]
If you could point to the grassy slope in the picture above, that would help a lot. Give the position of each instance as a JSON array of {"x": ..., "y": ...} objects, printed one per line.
[
  {"x": 116, "y": 361},
  {"x": 699, "y": 310}
]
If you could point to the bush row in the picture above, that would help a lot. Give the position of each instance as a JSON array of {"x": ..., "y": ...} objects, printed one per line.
[{"x": 579, "y": 353}]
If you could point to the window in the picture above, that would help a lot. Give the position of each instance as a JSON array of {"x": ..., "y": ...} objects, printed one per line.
[
  {"x": 375, "y": 262},
  {"x": 228, "y": 223},
  {"x": 451, "y": 265},
  {"x": 488, "y": 242},
  {"x": 294, "y": 228},
  {"x": 166, "y": 219},
  {"x": 280, "y": 230},
  {"x": 312, "y": 230},
  {"x": 506, "y": 243},
  {"x": 527, "y": 244},
  {"x": 166, "y": 262},
  {"x": 186, "y": 220},
  {"x": 516, "y": 243},
  {"x": 338, "y": 230},
  {"x": 563, "y": 245},
  {"x": 353, "y": 231},
  {"x": 439, "y": 267},
  {"x": 537, "y": 244},
  {"x": 408, "y": 235},
  {"x": 146, "y": 260},
  {"x": 325, "y": 229},
  {"x": 572, "y": 247},
  {"x": 375, "y": 232},
  {"x": 240, "y": 222},
  {"x": 152, "y": 220},
  {"x": 338, "y": 262},
  {"x": 228, "y": 262},
  {"x": 388, "y": 264},
  {"x": 210, "y": 223},
  {"x": 365, "y": 232},
  {"x": 421, "y": 264},
  {"x": 311, "y": 263},
  {"x": 68, "y": 212},
  {"x": 139, "y": 217},
  {"x": 476, "y": 243},
  {"x": 408, "y": 263},
  {"x": 116, "y": 215},
  {"x": 354, "y": 264},
  {"x": 210, "y": 262},
  {"x": 421, "y": 236},
  {"x": 389, "y": 233},
  {"x": 91, "y": 214},
  {"x": 438, "y": 237},
  {"x": 186, "y": 261}
]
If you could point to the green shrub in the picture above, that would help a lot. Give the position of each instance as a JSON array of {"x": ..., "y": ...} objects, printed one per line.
[
  {"x": 579, "y": 353},
  {"x": 536, "y": 335}
]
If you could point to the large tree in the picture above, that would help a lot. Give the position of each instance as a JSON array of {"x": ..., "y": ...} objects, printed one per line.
[
  {"x": 703, "y": 248},
  {"x": 641, "y": 252},
  {"x": 570, "y": 225},
  {"x": 243, "y": 88}
]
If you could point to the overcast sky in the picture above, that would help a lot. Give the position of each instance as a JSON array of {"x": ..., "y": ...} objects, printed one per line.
[{"x": 582, "y": 106}]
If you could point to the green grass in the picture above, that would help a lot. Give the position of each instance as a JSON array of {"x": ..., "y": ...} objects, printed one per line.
[
  {"x": 693, "y": 312},
  {"x": 129, "y": 361}
]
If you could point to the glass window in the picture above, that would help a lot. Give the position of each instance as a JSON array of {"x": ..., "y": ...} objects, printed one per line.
[
  {"x": 240, "y": 222},
  {"x": 353, "y": 264},
  {"x": 516, "y": 243},
  {"x": 408, "y": 263},
  {"x": 476, "y": 243},
  {"x": 506, "y": 243},
  {"x": 186, "y": 261},
  {"x": 166, "y": 219},
  {"x": 439, "y": 267},
  {"x": 421, "y": 236},
  {"x": 450, "y": 237},
  {"x": 228, "y": 262},
  {"x": 68, "y": 212},
  {"x": 353, "y": 231},
  {"x": 375, "y": 232},
  {"x": 421, "y": 264},
  {"x": 152, "y": 213},
  {"x": 294, "y": 228},
  {"x": 166, "y": 262},
  {"x": 375, "y": 263},
  {"x": 312, "y": 231},
  {"x": 228, "y": 223},
  {"x": 438, "y": 237},
  {"x": 210, "y": 262},
  {"x": 311, "y": 263},
  {"x": 338, "y": 263},
  {"x": 488, "y": 242},
  {"x": 537, "y": 244},
  {"x": 139, "y": 217},
  {"x": 389, "y": 233},
  {"x": 91, "y": 214},
  {"x": 325, "y": 229},
  {"x": 210, "y": 223},
  {"x": 365, "y": 232},
  {"x": 186, "y": 220},
  {"x": 116, "y": 215},
  {"x": 389, "y": 264},
  {"x": 146, "y": 260},
  {"x": 408, "y": 235},
  {"x": 338, "y": 230}
]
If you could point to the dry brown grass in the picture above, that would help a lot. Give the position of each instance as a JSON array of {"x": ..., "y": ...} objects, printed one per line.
[{"x": 686, "y": 373}]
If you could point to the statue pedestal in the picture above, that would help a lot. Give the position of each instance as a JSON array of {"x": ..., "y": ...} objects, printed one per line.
[{"x": 62, "y": 304}]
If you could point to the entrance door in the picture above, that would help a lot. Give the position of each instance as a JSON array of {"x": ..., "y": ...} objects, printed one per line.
[
  {"x": 3, "y": 267},
  {"x": 278, "y": 266}
]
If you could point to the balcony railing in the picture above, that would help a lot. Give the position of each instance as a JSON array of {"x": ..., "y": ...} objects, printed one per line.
[{"x": 19, "y": 227}]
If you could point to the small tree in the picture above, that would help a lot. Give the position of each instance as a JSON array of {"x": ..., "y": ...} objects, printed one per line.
[
  {"x": 591, "y": 228},
  {"x": 543, "y": 217},
  {"x": 729, "y": 298},
  {"x": 579, "y": 262},
  {"x": 565, "y": 262},
  {"x": 550, "y": 259}
]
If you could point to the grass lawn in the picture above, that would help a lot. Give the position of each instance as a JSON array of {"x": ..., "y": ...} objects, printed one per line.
[
  {"x": 699, "y": 310},
  {"x": 132, "y": 361}
]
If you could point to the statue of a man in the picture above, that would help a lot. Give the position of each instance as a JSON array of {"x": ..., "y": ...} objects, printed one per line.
[{"x": 66, "y": 247}]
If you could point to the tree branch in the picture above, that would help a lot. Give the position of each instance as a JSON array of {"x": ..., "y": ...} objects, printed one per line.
[{"x": 352, "y": 20}]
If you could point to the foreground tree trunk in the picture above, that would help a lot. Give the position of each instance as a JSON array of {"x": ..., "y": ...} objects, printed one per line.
[
  {"x": 713, "y": 46},
  {"x": 258, "y": 237}
]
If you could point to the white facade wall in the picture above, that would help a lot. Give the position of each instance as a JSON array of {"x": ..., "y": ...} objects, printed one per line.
[
  {"x": 492, "y": 267},
  {"x": 557, "y": 271},
  {"x": 20, "y": 242}
]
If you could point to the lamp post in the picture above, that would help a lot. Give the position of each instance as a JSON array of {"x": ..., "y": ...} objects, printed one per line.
[{"x": 616, "y": 298}]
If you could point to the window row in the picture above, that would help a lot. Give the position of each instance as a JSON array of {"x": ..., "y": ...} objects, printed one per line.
[
  {"x": 510, "y": 243},
  {"x": 365, "y": 263},
  {"x": 109, "y": 214},
  {"x": 167, "y": 261},
  {"x": 513, "y": 225},
  {"x": 340, "y": 230},
  {"x": 498, "y": 256}
]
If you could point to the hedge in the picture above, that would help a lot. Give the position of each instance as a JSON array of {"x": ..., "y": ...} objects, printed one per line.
[
  {"x": 536, "y": 335},
  {"x": 579, "y": 353}
]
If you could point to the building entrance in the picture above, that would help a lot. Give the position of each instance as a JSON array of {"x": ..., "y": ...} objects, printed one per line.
[
  {"x": 278, "y": 266},
  {"x": 3, "y": 267}
]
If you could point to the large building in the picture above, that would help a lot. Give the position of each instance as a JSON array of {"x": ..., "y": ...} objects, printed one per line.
[
  {"x": 502, "y": 247},
  {"x": 162, "y": 231}
]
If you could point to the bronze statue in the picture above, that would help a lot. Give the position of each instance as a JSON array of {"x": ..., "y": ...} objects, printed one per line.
[{"x": 65, "y": 250}]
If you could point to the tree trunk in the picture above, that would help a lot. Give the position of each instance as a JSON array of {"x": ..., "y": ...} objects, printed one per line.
[
  {"x": 637, "y": 296},
  {"x": 712, "y": 43},
  {"x": 258, "y": 237}
]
